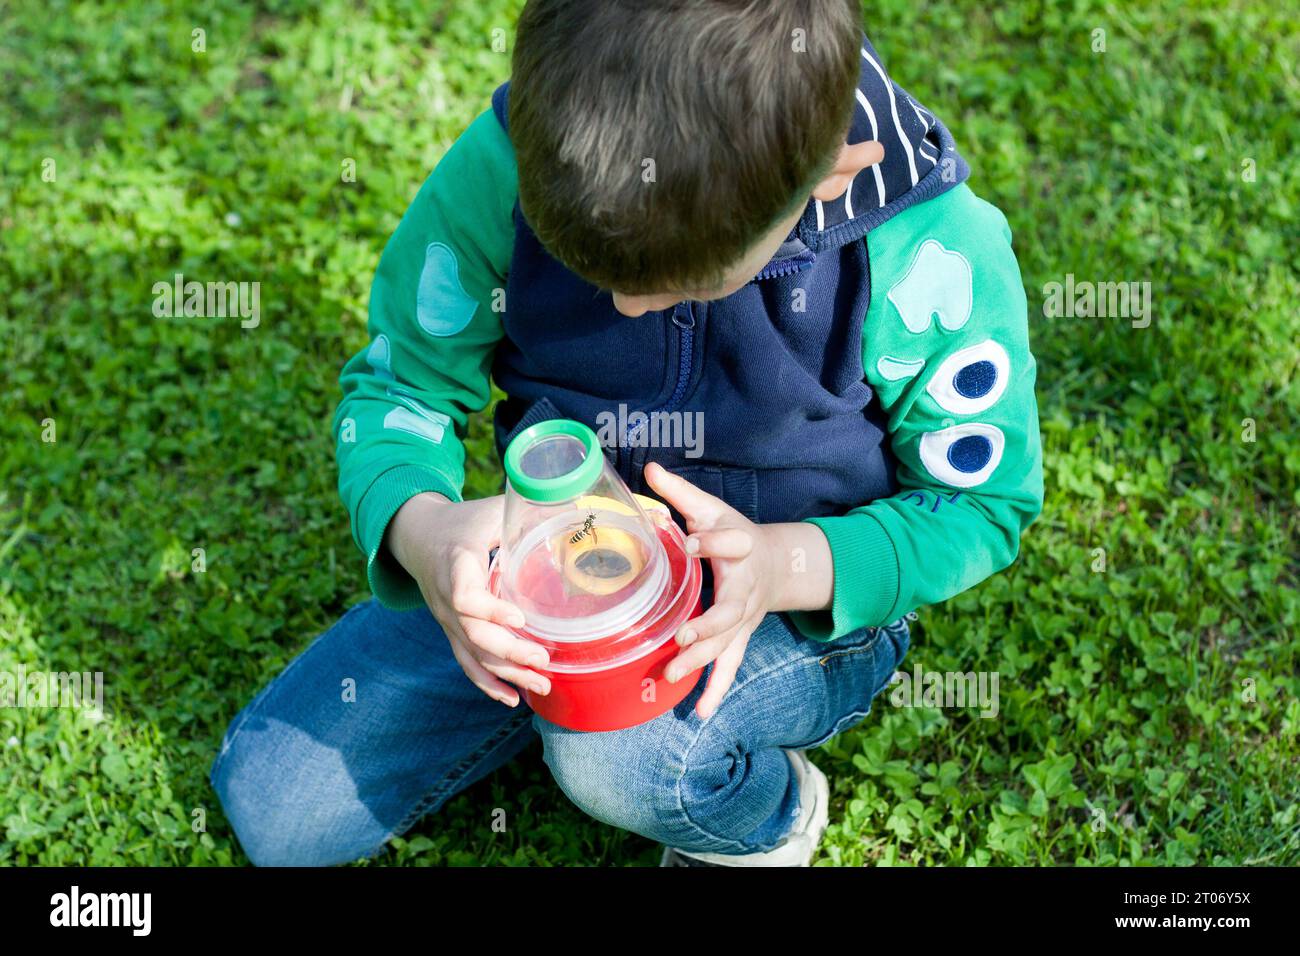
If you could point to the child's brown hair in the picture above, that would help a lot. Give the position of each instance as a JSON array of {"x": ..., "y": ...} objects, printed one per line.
[{"x": 657, "y": 140}]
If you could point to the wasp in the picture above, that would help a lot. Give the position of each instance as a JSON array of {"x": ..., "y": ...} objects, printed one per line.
[{"x": 588, "y": 528}]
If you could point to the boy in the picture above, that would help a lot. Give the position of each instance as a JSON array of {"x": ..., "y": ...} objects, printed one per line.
[{"x": 718, "y": 207}]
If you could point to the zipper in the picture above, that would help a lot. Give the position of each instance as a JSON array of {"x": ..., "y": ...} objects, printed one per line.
[
  {"x": 685, "y": 346},
  {"x": 784, "y": 268},
  {"x": 684, "y": 319},
  {"x": 781, "y": 265}
]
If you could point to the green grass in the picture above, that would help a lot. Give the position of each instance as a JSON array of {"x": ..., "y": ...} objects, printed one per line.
[{"x": 1124, "y": 691}]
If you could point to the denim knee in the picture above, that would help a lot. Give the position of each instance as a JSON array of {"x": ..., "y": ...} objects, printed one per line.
[
  {"x": 611, "y": 775},
  {"x": 290, "y": 801},
  {"x": 678, "y": 781}
]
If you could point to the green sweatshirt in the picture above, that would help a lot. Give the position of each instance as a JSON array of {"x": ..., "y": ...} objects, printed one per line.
[{"x": 947, "y": 318}]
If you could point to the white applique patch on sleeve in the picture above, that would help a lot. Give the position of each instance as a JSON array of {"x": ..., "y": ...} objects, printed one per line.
[
  {"x": 405, "y": 420},
  {"x": 415, "y": 417},
  {"x": 972, "y": 379},
  {"x": 963, "y": 456},
  {"x": 938, "y": 286},
  {"x": 442, "y": 306},
  {"x": 895, "y": 369}
]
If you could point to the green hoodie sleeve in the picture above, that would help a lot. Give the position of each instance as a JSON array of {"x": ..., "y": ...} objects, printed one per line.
[
  {"x": 435, "y": 319},
  {"x": 946, "y": 347}
]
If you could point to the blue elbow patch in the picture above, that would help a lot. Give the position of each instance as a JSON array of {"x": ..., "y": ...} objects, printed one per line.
[
  {"x": 969, "y": 454},
  {"x": 442, "y": 306}
]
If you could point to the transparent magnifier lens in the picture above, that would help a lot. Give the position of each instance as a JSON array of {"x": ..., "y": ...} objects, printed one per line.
[{"x": 552, "y": 457}]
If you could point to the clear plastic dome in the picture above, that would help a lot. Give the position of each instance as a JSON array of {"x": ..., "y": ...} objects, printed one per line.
[{"x": 578, "y": 554}]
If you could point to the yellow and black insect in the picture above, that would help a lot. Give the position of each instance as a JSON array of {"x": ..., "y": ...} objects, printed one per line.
[{"x": 588, "y": 528}]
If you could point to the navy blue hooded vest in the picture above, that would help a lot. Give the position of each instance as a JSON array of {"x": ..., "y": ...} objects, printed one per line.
[{"x": 791, "y": 429}]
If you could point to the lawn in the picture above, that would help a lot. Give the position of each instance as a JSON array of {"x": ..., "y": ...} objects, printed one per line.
[{"x": 1146, "y": 640}]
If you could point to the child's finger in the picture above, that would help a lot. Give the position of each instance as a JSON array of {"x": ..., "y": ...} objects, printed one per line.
[
  {"x": 718, "y": 619},
  {"x": 470, "y": 596},
  {"x": 496, "y": 640},
  {"x": 697, "y": 655},
  {"x": 721, "y": 678},
  {"x": 698, "y": 507},
  {"x": 519, "y": 676},
  {"x": 478, "y": 676},
  {"x": 723, "y": 543}
]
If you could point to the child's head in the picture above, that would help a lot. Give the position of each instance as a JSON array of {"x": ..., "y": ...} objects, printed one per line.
[{"x": 667, "y": 147}]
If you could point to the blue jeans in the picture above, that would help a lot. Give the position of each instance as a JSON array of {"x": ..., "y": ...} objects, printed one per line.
[{"x": 309, "y": 777}]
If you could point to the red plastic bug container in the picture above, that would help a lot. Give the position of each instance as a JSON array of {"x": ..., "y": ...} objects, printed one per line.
[{"x": 602, "y": 577}]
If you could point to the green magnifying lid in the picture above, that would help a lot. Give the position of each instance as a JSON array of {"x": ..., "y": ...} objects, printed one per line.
[{"x": 553, "y": 460}]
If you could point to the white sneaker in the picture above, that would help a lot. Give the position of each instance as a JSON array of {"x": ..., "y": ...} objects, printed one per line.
[{"x": 797, "y": 848}]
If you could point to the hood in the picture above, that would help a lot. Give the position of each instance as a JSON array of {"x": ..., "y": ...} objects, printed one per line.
[{"x": 921, "y": 161}]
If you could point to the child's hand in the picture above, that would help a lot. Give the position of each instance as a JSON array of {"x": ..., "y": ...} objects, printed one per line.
[
  {"x": 444, "y": 545},
  {"x": 745, "y": 583}
]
